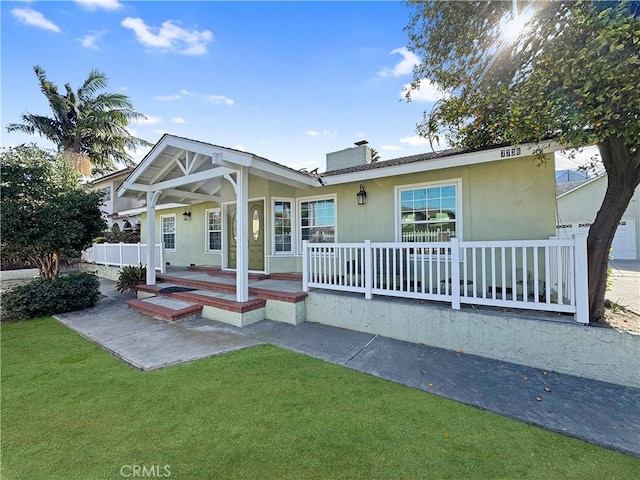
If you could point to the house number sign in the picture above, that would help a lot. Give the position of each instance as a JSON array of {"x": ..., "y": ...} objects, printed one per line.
[{"x": 510, "y": 152}]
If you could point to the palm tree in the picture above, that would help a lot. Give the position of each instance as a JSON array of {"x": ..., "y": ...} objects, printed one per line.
[{"x": 88, "y": 127}]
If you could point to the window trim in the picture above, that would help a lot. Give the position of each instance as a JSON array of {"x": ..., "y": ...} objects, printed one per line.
[
  {"x": 175, "y": 231},
  {"x": 294, "y": 225},
  {"x": 207, "y": 248},
  {"x": 398, "y": 189},
  {"x": 315, "y": 198}
]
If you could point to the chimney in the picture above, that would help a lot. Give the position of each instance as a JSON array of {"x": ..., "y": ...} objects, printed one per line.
[{"x": 349, "y": 157}]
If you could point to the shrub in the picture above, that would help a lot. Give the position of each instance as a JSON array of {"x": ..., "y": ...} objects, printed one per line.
[
  {"x": 129, "y": 277},
  {"x": 43, "y": 297}
]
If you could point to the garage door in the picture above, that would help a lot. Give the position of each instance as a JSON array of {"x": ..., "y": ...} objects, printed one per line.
[{"x": 624, "y": 242}]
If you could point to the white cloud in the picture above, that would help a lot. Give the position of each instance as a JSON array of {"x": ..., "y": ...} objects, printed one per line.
[
  {"x": 168, "y": 97},
  {"x": 391, "y": 148},
  {"x": 178, "y": 120},
  {"x": 34, "y": 18},
  {"x": 404, "y": 67},
  {"x": 415, "y": 141},
  {"x": 326, "y": 133},
  {"x": 427, "y": 91},
  {"x": 99, "y": 4},
  {"x": 221, "y": 99},
  {"x": 90, "y": 40},
  {"x": 149, "y": 120},
  {"x": 169, "y": 37}
]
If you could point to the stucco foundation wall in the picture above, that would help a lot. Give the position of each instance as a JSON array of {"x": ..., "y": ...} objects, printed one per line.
[
  {"x": 561, "y": 346},
  {"x": 286, "y": 312},
  {"x": 110, "y": 273}
]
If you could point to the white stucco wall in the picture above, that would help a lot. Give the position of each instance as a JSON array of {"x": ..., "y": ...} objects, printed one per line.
[
  {"x": 582, "y": 204},
  {"x": 562, "y": 346}
]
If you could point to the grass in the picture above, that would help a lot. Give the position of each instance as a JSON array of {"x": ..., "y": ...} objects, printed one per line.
[{"x": 72, "y": 411}]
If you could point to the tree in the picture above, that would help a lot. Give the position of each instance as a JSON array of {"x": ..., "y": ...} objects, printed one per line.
[
  {"x": 46, "y": 212},
  {"x": 88, "y": 127},
  {"x": 375, "y": 155},
  {"x": 565, "y": 70}
]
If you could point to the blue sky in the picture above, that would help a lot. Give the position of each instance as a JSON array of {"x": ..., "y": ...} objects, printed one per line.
[{"x": 289, "y": 81}]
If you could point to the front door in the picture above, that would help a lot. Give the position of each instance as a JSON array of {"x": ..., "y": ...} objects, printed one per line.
[{"x": 256, "y": 235}]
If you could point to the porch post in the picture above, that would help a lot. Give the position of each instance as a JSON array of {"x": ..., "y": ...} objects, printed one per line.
[
  {"x": 152, "y": 198},
  {"x": 242, "y": 231},
  {"x": 305, "y": 265},
  {"x": 455, "y": 274},
  {"x": 581, "y": 278},
  {"x": 368, "y": 270}
]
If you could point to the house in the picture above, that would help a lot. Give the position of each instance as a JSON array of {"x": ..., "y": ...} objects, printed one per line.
[
  {"x": 121, "y": 211},
  {"x": 577, "y": 209},
  {"x": 260, "y": 240},
  {"x": 497, "y": 193}
]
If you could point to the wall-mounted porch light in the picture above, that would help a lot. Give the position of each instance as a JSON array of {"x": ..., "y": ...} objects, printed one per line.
[
  {"x": 186, "y": 216},
  {"x": 361, "y": 196}
]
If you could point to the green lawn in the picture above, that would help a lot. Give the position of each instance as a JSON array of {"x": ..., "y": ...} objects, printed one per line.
[{"x": 72, "y": 411}]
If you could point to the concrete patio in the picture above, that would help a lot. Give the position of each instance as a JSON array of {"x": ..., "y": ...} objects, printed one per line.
[{"x": 601, "y": 413}]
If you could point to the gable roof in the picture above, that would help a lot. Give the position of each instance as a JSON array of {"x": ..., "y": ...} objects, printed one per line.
[
  {"x": 110, "y": 176},
  {"x": 183, "y": 170}
]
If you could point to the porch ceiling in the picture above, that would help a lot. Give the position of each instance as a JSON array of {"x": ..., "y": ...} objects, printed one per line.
[{"x": 189, "y": 171}]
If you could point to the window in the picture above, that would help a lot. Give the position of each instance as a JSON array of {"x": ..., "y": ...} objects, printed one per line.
[
  {"x": 282, "y": 226},
  {"x": 168, "y": 225},
  {"x": 318, "y": 220},
  {"x": 214, "y": 230},
  {"x": 429, "y": 213}
]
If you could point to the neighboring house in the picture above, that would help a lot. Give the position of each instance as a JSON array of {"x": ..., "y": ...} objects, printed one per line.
[
  {"x": 569, "y": 179},
  {"x": 125, "y": 212},
  {"x": 578, "y": 207},
  {"x": 491, "y": 194}
]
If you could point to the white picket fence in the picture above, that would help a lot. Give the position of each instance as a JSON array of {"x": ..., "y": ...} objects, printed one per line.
[
  {"x": 547, "y": 275},
  {"x": 123, "y": 254}
]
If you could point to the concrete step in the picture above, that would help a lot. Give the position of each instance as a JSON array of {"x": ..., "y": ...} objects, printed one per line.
[
  {"x": 203, "y": 297},
  {"x": 218, "y": 272},
  {"x": 165, "y": 308},
  {"x": 212, "y": 285}
]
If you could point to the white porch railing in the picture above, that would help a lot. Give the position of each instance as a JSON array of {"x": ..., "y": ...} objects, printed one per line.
[
  {"x": 547, "y": 275},
  {"x": 122, "y": 254}
]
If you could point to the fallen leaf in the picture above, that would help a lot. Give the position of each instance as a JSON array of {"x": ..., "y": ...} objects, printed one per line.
[
  {"x": 460, "y": 351},
  {"x": 429, "y": 384},
  {"x": 525, "y": 378},
  {"x": 544, "y": 373},
  {"x": 547, "y": 389},
  {"x": 539, "y": 399},
  {"x": 446, "y": 435}
]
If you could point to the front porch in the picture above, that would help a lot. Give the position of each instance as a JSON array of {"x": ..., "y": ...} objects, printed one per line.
[{"x": 211, "y": 292}]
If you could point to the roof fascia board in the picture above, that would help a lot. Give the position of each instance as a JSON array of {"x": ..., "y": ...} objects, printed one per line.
[
  {"x": 194, "y": 177},
  {"x": 139, "y": 210},
  {"x": 459, "y": 160},
  {"x": 280, "y": 173},
  {"x": 192, "y": 195}
]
